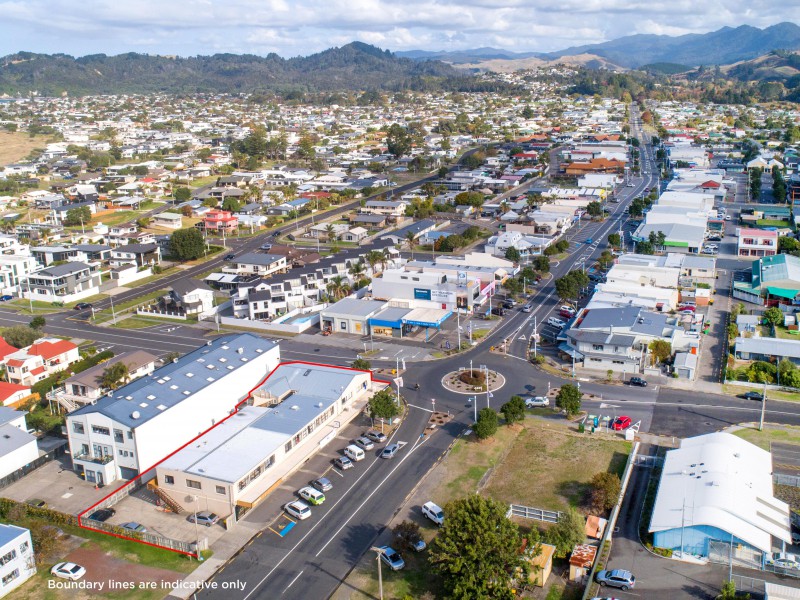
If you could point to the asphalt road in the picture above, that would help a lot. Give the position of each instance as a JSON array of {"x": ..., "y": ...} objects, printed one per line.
[{"x": 311, "y": 561}]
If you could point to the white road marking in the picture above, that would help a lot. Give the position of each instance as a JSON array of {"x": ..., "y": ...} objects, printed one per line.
[
  {"x": 293, "y": 580},
  {"x": 419, "y": 407}
]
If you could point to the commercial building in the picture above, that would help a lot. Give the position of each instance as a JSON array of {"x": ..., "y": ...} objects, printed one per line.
[
  {"x": 418, "y": 287},
  {"x": 17, "y": 561},
  {"x": 716, "y": 495},
  {"x": 122, "y": 434},
  {"x": 296, "y": 412},
  {"x": 757, "y": 242},
  {"x": 350, "y": 315},
  {"x": 771, "y": 279}
]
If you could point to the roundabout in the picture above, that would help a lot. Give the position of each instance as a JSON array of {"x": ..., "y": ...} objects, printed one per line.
[{"x": 474, "y": 381}]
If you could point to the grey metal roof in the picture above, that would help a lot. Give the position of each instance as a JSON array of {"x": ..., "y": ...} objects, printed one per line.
[
  {"x": 136, "y": 248},
  {"x": 8, "y": 414},
  {"x": 769, "y": 346},
  {"x": 12, "y": 438},
  {"x": 698, "y": 262},
  {"x": 415, "y": 228},
  {"x": 185, "y": 286},
  {"x": 61, "y": 270},
  {"x": 601, "y": 337},
  {"x": 255, "y": 258},
  {"x": 603, "y": 318},
  {"x": 133, "y": 360},
  {"x": 652, "y": 323},
  {"x": 393, "y": 313},
  {"x": 353, "y": 307},
  {"x": 178, "y": 377}
]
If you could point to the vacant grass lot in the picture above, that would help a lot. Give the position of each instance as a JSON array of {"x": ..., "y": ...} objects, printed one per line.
[
  {"x": 560, "y": 461},
  {"x": 17, "y": 145},
  {"x": 738, "y": 390},
  {"x": 786, "y": 434}
]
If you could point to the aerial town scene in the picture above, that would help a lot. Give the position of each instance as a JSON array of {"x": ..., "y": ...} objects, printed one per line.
[{"x": 359, "y": 301}]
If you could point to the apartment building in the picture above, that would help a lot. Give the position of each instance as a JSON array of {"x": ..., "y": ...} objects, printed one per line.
[
  {"x": 757, "y": 242},
  {"x": 17, "y": 561},
  {"x": 63, "y": 283},
  {"x": 254, "y": 263}
]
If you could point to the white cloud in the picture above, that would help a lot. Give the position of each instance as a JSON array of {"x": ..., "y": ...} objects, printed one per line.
[{"x": 292, "y": 27}]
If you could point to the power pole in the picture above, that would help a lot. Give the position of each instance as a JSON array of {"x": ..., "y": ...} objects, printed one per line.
[{"x": 763, "y": 407}]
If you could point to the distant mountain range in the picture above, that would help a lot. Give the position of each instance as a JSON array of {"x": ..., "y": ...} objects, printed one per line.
[
  {"x": 356, "y": 66},
  {"x": 722, "y": 47}
]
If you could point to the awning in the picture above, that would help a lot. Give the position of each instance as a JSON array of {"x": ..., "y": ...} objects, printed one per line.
[
  {"x": 782, "y": 292},
  {"x": 567, "y": 349},
  {"x": 427, "y": 317}
]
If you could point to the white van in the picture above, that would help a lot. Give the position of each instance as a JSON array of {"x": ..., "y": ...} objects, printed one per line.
[
  {"x": 433, "y": 512},
  {"x": 354, "y": 453}
]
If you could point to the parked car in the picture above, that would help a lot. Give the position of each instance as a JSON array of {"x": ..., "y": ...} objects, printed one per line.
[
  {"x": 391, "y": 558},
  {"x": 390, "y": 451},
  {"x": 298, "y": 509},
  {"x": 36, "y": 502},
  {"x": 508, "y": 304},
  {"x": 536, "y": 401},
  {"x": 782, "y": 560},
  {"x": 266, "y": 246},
  {"x": 323, "y": 484},
  {"x": 365, "y": 443},
  {"x": 753, "y": 396},
  {"x": 133, "y": 526},
  {"x": 102, "y": 515},
  {"x": 204, "y": 517},
  {"x": 498, "y": 310},
  {"x": 637, "y": 381},
  {"x": 433, "y": 512},
  {"x": 621, "y": 423},
  {"x": 526, "y": 308},
  {"x": 312, "y": 495},
  {"x": 68, "y": 570},
  {"x": 343, "y": 463},
  {"x": 375, "y": 436},
  {"x": 83, "y": 306},
  {"x": 566, "y": 314},
  {"x": 618, "y": 578},
  {"x": 685, "y": 307},
  {"x": 556, "y": 322},
  {"x": 795, "y": 538},
  {"x": 727, "y": 217}
]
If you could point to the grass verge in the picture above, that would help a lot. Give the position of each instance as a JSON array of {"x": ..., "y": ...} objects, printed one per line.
[
  {"x": 738, "y": 390},
  {"x": 786, "y": 434}
]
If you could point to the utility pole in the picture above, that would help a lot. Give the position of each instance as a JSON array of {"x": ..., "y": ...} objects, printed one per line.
[
  {"x": 113, "y": 314},
  {"x": 763, "y": 407},
  {"x": 378, "y": 554}
]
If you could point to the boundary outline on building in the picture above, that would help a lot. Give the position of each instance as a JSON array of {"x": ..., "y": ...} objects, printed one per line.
[{"x": 133, "y": 481}]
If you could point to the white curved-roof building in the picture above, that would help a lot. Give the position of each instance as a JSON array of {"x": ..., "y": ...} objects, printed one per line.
[{"x": 713, "y": 487}]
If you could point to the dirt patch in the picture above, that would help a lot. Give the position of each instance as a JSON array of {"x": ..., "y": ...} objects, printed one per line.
[
  {"x": 16, "y": 146},
  {"x": 103, "y": 567}
]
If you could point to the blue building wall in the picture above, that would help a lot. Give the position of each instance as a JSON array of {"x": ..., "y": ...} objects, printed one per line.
[{"x": 695, "y": 538}]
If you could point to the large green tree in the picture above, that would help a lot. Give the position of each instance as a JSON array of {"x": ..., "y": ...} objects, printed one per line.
[
  {"x": 187, "y": 244},
  {"x": 487, "y": 423},
  {"x": 567, "y": 533},
  {"x": 569, "y": 399},
  {"x": 513, "y": 410},
  {"x": 774, "y": 316},
  {"x": 477, "y": 550},
  {"x": 398, "y": 140},
  {"x": 80, "y": 215},
  {"x": 20, "y": 336},
  {"x": 182, "y": 194},
  {"x": 383, "y": 406}
]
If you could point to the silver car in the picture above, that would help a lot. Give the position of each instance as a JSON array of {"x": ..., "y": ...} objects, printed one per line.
[{"x": 365, "y": 443}]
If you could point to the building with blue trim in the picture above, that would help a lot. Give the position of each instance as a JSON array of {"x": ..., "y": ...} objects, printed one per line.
[{"x": 718, "y": 488}]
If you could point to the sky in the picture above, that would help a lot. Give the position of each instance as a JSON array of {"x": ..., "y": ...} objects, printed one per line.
[{"x": 302, "y": 27}]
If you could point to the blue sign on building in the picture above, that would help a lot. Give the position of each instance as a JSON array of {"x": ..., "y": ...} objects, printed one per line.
[{"x": 420, "y": 294}]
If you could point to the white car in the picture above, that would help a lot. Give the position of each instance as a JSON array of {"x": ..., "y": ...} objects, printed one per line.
[
  {"x": 727, "y": 217},
  {"x": 68, "y": 570},
  {"x": 298, "y": 509},
  {"x": 537, "y": 401},
  {"x": 556, "y": 322}
]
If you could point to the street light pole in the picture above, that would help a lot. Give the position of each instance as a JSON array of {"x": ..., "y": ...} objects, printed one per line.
[
  {"x": 763, "y": 407},
  {"x": 378, "y": 554}
]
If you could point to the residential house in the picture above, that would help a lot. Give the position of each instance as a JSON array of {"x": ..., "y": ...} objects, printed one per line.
[
  {"x": 141, "y": 255},
  {"x": 757, "y": 242},
  {"x": 41, "y": 359},
  {"x": 13, "y": 394},
  {"x": 356, "y": 234},
  {"x": 219, "y": 221},
  {"x": 18, "y": 560},
  {"x": 387, "y": 208},
  {"x": 167, "y": 220},
  {"x": 190, "y": 296},
  {"x": 254, "y": 263},
  {"x": 63, "y": 283},
  {"x": 87, "y": 386}
]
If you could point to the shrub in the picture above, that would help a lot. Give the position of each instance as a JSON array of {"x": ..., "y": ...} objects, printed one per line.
[{"x": 473, "y": 377}]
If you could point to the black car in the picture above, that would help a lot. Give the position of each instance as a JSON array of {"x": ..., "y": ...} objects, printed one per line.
[
  {"x": 753, "y": 396},
  {"x": 499, "y": 311},
  {"x": 83, "y": 306},
  {"x": 638, "y": 381},
  {"x": 104, "y": 514},
  {"x": 508, "y": 304},
  {"x": 230, "y": 257}
]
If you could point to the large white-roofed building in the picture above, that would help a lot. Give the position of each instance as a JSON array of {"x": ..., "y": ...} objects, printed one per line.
[{"x": 718, "y": 487}]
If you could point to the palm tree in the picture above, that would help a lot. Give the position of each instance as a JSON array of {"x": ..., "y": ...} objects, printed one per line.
[
  {"x": 356, "y": 270},
  {"x": 330, "y": 232},
  {"x": 373, "y": 258},
  {"x": 410, "y": 238},
  {"x": 114, "y": 376},
  {"x": 338, "y": 288}
]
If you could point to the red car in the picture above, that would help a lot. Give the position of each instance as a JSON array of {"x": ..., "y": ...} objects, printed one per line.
[{"x": 621, "y": 423}]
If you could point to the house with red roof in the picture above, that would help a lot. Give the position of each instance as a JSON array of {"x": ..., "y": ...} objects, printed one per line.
[
  {"x": 5, "y": 350},
  {"x": 40, "y": 360},
  {"x": 12, "y": 394}
]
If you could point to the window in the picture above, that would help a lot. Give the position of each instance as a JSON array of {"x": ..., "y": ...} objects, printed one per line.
[
  {"x": 7, "y": 558},
  {"x": 193, "y": 484},
  {"x": 23, "y": 547},
  {"x": 118, "y": 436},
  {"x": 169, "y": 479},
  {"x": 287, "y": 448},
  {"x": 220, "y": 489},
  {"x": 101, "y": 430},
  {"x": 130, "y": 434},
  {"x": 598, "y": 347},
  {"x": 10, "y": 577},
  {"x": 78, "y": 427},
  {"x": 618, "y": 362},
  {"x": 343, "y": 325}
]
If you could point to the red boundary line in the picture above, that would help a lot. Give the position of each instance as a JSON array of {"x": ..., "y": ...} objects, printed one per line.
[{"x": 236, "y": 410}]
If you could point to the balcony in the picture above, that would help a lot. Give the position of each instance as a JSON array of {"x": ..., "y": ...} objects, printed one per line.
[{"x": 101, "y": 460}]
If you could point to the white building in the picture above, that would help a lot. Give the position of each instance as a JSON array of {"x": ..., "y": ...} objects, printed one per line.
[
  {"x": 17, "y": 562},
  {"x": 17, "y": 447},
  {"x": 299, "y": 409},
  {"x": 718, "y": 487},
  {"x": 123, "y": 434}
]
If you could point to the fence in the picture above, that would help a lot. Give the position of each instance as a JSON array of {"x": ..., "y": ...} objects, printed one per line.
[
  {"x": 781, "y": 479},
  {"x": 537, "y": 514},
  {"x": 749, "y": 584},
  {"x": 160, "y": 314},
  {"x": 722, "y": 552},
  {"x": 155, "y": 539},
  {"x": 32, "y": 466}
]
